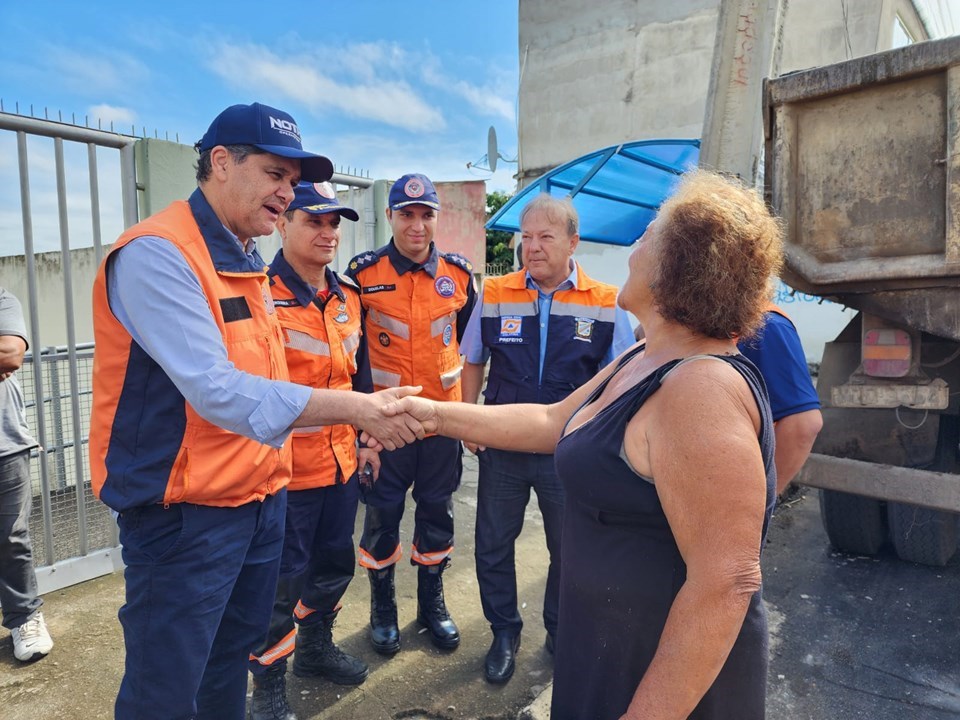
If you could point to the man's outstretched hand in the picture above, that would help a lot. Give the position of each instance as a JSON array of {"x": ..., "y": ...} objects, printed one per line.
[{"x": 384, "y": 429}]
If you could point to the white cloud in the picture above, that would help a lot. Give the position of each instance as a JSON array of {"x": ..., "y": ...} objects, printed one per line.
[
  {"x": 392, "y": 102},
  {"x": 108, "y": 114},
  {"x": 385, "y": 157},
  {"x": 44, "y": 200},
  {"x": 484, "y": 100},
  {"x": 368, "y": 61},
  {"x": 98, "y": 73},
  {"x": 489, "y": 99}
]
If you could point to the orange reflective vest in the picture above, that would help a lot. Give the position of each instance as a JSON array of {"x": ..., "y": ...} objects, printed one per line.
[
  {"x": 321, "y": 339},
  {"x": 147, "y": 444},
  {"x": 415, "y": 318}
]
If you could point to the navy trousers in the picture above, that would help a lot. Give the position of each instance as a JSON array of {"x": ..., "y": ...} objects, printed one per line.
[
  {"x": 433, "y": 467},
  {"x": 316, "y": 567},
  {"x": 502, "y": 496},
  {"x": 200, "y": 583}
]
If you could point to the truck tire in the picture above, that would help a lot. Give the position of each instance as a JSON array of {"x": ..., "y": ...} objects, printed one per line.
[
  {"x": 921, "y": 535},
  {"x": 854, "y": 524}
]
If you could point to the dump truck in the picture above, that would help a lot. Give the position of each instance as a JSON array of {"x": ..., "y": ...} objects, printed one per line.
[{"x": 862, "y": 162}]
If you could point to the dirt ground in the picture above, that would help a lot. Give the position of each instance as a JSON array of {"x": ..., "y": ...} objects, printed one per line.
[
  {"x": 851, "y": 637},
  {"x": 79, "y": 679}
]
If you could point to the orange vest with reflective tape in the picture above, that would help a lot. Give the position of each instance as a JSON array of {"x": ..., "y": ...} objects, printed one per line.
[
  {"x": 147, "y": 444},
  {"x": 411, "y": 322},
  {"x": 321, "y": 349}
]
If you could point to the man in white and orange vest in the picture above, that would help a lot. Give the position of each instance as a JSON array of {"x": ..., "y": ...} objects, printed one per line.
[
  {"x": 416, "y": 300},
  {"x": 192, "y": 409},
  {"x": 319, "y": 312},
  {"x": 546, "y": 329}
]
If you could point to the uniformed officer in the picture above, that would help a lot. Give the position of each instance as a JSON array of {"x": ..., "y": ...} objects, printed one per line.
[
  {"x": 325, "y": 347},
  {"x": 416, "y": 301},
  {"x": 192, "y": 406},
  {"x": 546, "y": 330}
]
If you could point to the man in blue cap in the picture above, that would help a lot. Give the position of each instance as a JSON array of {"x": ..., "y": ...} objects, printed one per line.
[
  {"x": 319, "y": 311},
  {"x": 192, "y": 408},
  {"x": 417, "y": 301}
]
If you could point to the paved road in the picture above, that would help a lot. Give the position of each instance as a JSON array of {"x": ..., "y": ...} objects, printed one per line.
[
  {"x": 857, "y": 637},
  {"x": 79, "y": 680},
  {"x": 851, "y": 638}
]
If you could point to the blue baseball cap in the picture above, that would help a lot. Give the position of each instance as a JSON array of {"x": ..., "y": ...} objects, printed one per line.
[
  {"x": 269, "y": 129},
  {"x": 320, "y": 199},
  {"x": 413, "y": 189}
]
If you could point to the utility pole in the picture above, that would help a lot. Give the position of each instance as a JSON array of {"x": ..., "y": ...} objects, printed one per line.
[{"x": 749, "y": 38}]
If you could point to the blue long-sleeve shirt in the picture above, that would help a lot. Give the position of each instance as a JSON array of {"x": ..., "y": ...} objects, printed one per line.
[{"x": 157, "y": 297}]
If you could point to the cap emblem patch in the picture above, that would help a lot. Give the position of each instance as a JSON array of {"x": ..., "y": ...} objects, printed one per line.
[
  {"x": 325, "y": 189},
  {"x": 413, "y": 188}
]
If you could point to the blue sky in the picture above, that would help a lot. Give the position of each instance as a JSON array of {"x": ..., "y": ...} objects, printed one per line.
[
  {"x": 375, "y": 85},
  {"x": 371, "y": 83}
]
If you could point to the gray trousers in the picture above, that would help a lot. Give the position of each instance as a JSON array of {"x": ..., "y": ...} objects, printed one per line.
[{"x": 18, "y": 581}]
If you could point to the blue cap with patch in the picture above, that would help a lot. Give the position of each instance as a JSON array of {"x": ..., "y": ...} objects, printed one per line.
[
  {"x": 269, "y": 129},
  {"x": 414, "y": 189},
  {"x": 319, "y": 199}
]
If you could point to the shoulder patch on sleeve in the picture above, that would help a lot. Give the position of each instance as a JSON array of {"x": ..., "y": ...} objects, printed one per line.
[
  {"x": 460, "y": 261},
  {"x": 347, "y": 281},
  {"x": 363, "y": 260}
]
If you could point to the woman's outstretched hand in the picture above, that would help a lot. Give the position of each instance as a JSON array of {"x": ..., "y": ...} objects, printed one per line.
[{"x": 424, "y": 411}]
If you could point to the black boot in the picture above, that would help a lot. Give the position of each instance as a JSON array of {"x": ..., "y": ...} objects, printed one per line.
[
  {"x": 384, "y": 633},
  {"x": 318, "y": 656},
  {"x": 431, "y": 609},
  {"x": 270, "y": 695}
]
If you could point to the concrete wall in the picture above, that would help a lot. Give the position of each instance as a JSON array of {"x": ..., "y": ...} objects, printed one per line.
[
  {"x": 597, "y": 74},
  {"x": 815, "y": 32},
  {"x": 166, "y": 171},
  {"x": 460, "y": 223},
  {"x": 52, "y": 301}
]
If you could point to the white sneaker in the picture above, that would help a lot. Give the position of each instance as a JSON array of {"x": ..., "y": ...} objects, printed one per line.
[{"x": 31, "y": 641}]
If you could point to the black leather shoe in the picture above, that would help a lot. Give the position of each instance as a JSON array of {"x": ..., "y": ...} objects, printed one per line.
[{"x": 501, "y": 658}]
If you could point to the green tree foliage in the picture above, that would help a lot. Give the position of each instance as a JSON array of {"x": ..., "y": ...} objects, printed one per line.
[{"x": 499, "y": 251}]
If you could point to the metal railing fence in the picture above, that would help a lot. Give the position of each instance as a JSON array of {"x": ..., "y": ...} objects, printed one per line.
[
  {"x": 74, "y": 536},
  {"x": 74, "y": 523},
  {"x": 496, "y": 269}
]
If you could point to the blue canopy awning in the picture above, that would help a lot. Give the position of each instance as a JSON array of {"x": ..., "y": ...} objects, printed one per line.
[{"x": 616, "y": 191}]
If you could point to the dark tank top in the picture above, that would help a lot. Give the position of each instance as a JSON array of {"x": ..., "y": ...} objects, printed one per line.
[{"x": 622, "y": 569}]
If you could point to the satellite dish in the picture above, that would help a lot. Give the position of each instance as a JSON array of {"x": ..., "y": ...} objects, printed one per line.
[{"x": 492, "y": 153}]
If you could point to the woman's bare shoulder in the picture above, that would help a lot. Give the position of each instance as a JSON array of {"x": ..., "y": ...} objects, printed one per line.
[{"x": 707, "y": 382}]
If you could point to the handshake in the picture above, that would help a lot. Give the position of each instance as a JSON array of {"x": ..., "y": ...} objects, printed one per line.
[{"x": 395, "y": 417}]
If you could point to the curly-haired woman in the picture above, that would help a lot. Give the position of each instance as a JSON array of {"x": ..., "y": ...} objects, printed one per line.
[{"x": 667, "y": 461}]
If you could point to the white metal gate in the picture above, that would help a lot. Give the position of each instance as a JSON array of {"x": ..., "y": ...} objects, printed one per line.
[{"x": 74, "y": 535}]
